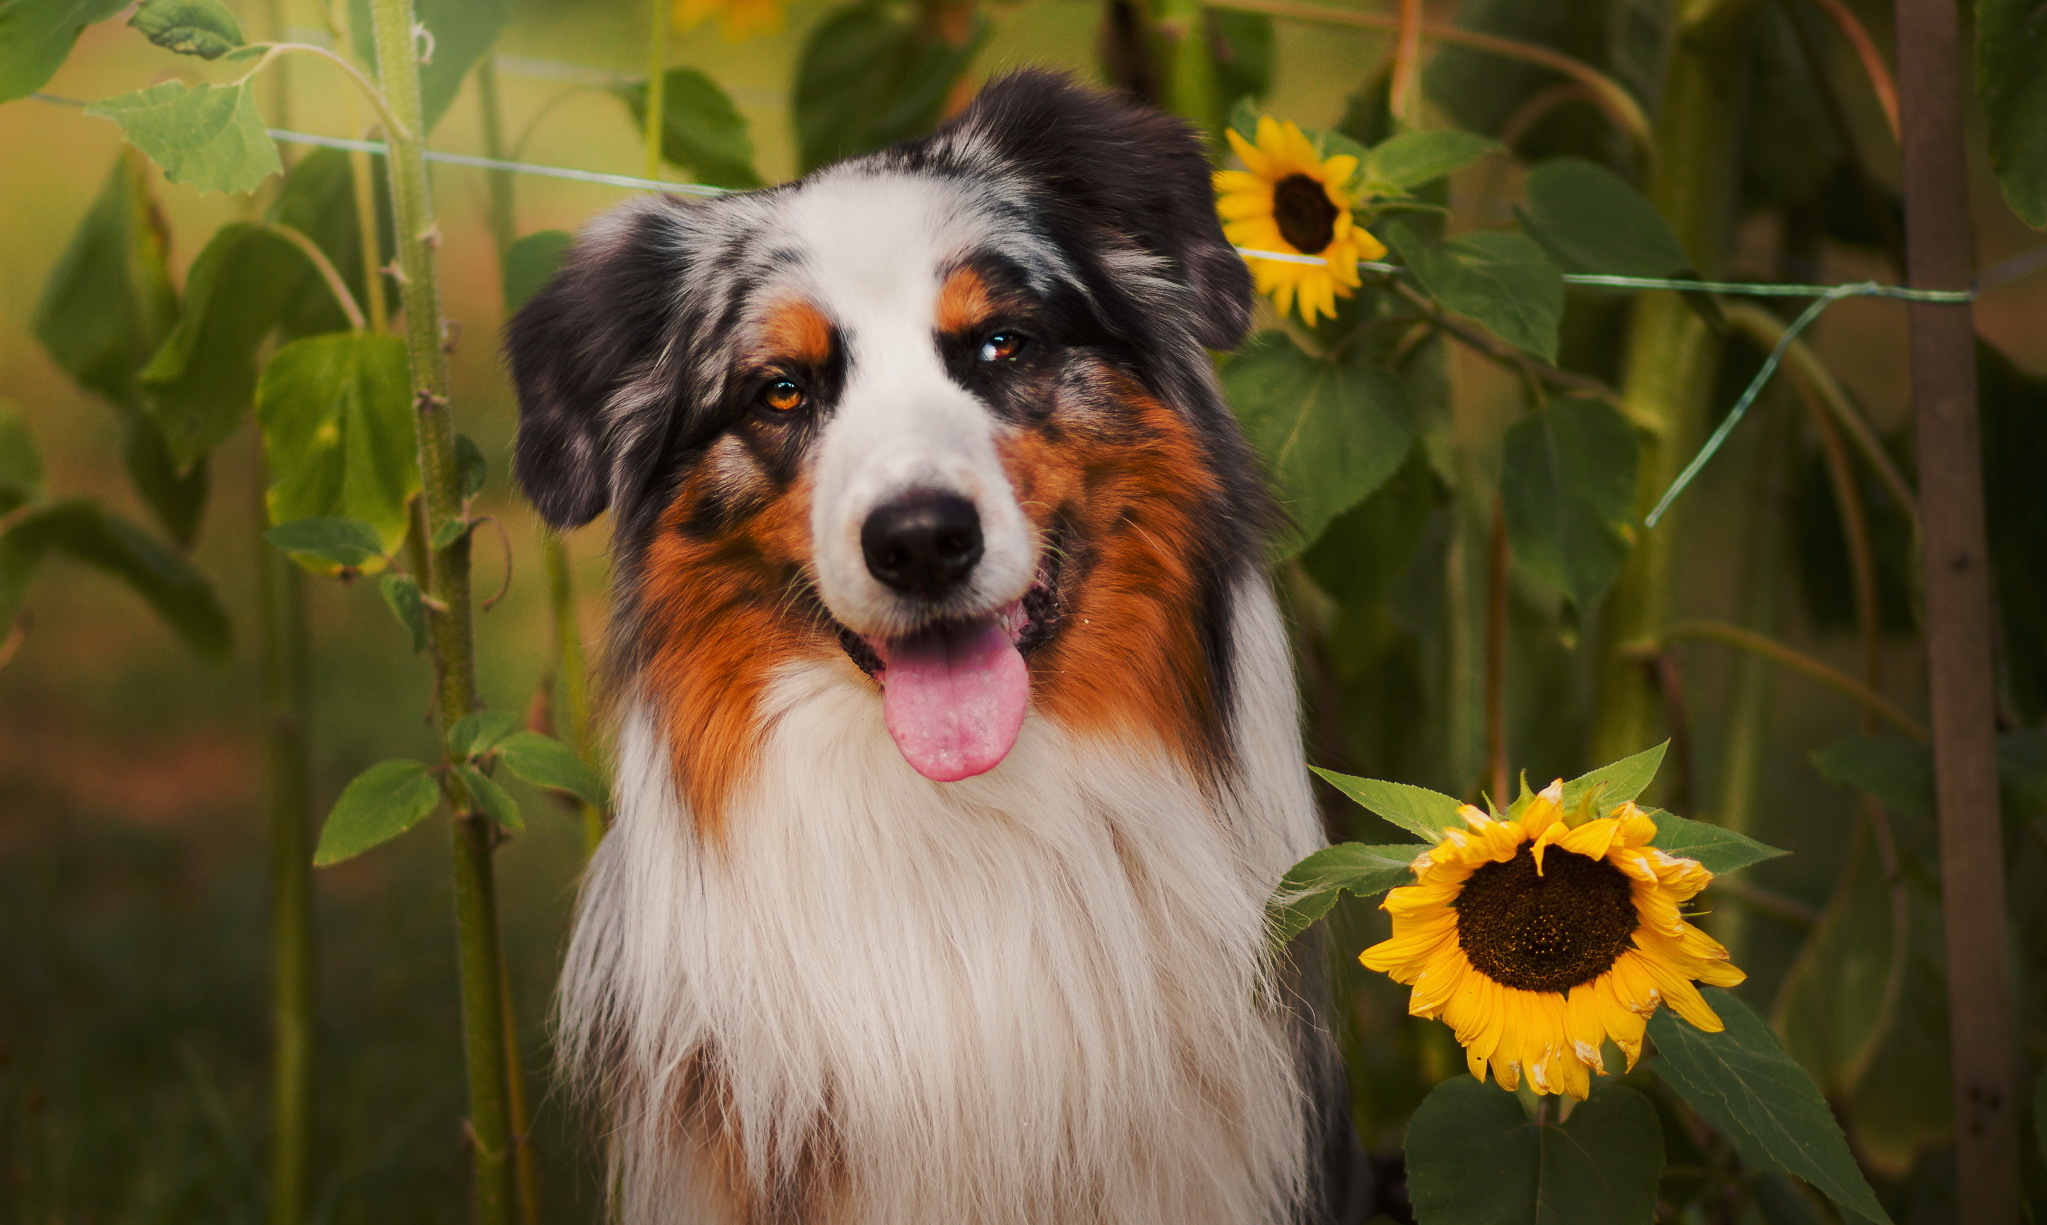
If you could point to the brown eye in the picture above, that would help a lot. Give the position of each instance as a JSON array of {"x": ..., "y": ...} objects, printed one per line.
[
  {"x": 782, "y": 395},
  {"x": 1002, "y": 346}
]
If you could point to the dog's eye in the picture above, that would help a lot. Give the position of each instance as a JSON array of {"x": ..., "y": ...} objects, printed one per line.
[
  {"x": 1003, "y": 346},
  {"x": 783, "y": 396}
]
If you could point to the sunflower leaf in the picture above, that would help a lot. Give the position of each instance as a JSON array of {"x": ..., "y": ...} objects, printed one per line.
[
  {"x": 1741, "y": 1081},
  {"x": 1330, "y": 432},
  {"x": 1567, "y": 487},
  {"x": 1312, "y": 886},
  {"x": 1717, "y": 849},
  {"x": 1474, "y": 1155},
  {"x": 1424, "y": 813},
  {"x": 210, "y": 136},
  {"x": 1593, "y": 221},
  {"x": 1506, "y": 282},
  {"x": 1407, "y": 161},
  {"x": 491, "y": 798},
  {"x": 381, "y": 803},
  {"x": 1615, "y": 784}
]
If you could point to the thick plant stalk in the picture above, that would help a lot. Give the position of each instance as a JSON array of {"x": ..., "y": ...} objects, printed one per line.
[
  {"x": 1670, "y": 361},
  {"x": 1959, "y": 624},
  {"x": 450, "y": 624},
  {"x": 1190, "y": 87},
  {"x": 657, "y": 85},
  {"x": 287, "y": 705}
]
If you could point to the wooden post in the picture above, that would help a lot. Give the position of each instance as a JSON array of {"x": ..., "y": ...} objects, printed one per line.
[{"x": 1958, "y": 618}]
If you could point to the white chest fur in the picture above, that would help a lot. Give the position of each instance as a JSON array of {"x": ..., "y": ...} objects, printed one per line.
[{"x": 1032, "y": 996}]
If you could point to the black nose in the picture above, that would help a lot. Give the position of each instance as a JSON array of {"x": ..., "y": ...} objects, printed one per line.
[{"x": 922, "y": 544}]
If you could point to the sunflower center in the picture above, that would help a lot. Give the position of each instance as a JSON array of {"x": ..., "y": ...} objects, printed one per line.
[
  {"x": 1548, "y": 932},
  {"x": 1306, "y": 218}
]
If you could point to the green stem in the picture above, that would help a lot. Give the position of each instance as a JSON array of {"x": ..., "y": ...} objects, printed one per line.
[
  {"x": 657, "y": 83},
  {"x": 1668, "y": 379},
  {"x": 1190, "y": 86},
  {"x": 451, "y": 627},
  {"x": 504, "y": 229},
  {"x": 287, "y": 704}
]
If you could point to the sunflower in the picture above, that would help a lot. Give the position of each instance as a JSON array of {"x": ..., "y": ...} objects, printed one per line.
[
  {"x": 1293, "y": 200},
  {"x": 737, "y": 19},
  {"x": 1537, "y": 941}
]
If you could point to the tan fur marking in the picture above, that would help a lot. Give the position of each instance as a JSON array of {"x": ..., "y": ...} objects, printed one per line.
[
  {"x": 1128, "y": 655},
  {"x": 720, "y": 613},
  {"x": 964, "y": 302},
  {"x": 795, "y": 330}
]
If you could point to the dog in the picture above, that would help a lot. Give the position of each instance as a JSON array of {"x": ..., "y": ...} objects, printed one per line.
[{"x": 957, "y": 740}]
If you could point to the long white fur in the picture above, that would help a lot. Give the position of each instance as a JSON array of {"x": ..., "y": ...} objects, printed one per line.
[{"x": 1033, "y": 996}]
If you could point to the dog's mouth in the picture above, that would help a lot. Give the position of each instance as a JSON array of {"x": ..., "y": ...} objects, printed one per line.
[{"x": 954, "y": 692}]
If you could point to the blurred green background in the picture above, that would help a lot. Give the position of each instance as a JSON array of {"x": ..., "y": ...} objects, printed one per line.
[{"x": 133, "y": 940}]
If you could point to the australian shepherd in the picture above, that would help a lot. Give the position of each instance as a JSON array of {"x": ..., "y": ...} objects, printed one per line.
[{"x": 956, "y": 729}]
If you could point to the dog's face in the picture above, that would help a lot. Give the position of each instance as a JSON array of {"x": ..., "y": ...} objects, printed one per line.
[{"x": 942, "y": 415}]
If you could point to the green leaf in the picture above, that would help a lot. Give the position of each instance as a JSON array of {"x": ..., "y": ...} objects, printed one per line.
[
  {"x": 1616, "y": 783},
  {"x": 381, "y": 803},
  {"x": 1474, "y": 1155},
  {"x": 450, "y": 531},
  {"x": 547, "y": 762},
  {"x": 1592, "y": 221},
  {"x": 1312, "y": 886},
  {"x": 318, "y": 200},
  {"x": 345, "y": 542},
  {"x": 1896, "y": 771},
  {"x": 401, "y": 592},
  {"x": 1425, "y": 814},
  {"x": 491, "y": 797},
  {"x": 189, "y": 27},
  {"x": 471, "y": 469},
  {"x": 1330, "y": 432},
  {"x": 109, "y": 302},
  {"x": 36, "y": 36},
  {"x": 84, "y": 531},
  {"x": 108, "y": 306},
  {"x": 1741, "y": 1081},
  {"x": 1718, "y": 849},
  {"x": 1567, "y": 482},
  {"x": 21, "y": 469},
  {"x": 209, "y": 136},
  {"x": 339, "y": 434},
  {"x": 530, "y": 263},
  {"x": 479, "y": 731},
  {"x": 2011, "y": 83},
  {"x": 1504, "y": 281},
  {"x": 201, "y": 381},
  {"x": 868, "y": 78},
  {"x": 1840, "y": 994},
  {"x": 1365, "y": 549},
  {"x": 701, "y": 130},
  {"x": 1411, "y": 159}
]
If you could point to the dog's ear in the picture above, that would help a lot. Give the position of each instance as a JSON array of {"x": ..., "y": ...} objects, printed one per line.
[
  {"x": 1106, "y": 162},
  {"x": 598, "y": 323}
]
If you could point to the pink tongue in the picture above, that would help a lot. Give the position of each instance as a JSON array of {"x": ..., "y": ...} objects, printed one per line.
[{"x": 954, "y": 698}]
